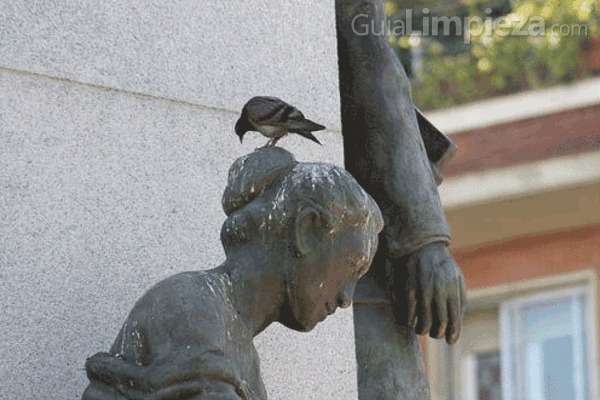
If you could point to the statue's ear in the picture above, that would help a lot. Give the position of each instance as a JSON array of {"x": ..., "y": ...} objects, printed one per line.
[{"x": 311, "y": 228}]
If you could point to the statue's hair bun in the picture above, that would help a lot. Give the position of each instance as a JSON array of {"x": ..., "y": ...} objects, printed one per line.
[{"x": 253, "y": 174}]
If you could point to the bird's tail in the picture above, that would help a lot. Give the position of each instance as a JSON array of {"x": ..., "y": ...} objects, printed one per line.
[
  {"x": 307, "y": 134},
  {"x": 311, "y": 126}
]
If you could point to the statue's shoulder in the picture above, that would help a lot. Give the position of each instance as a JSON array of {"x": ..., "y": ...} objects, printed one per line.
[
  {"x": 197, "y": 289},
  {"x": 194, "y": 307},
  {"x": 183, "y": 334}
]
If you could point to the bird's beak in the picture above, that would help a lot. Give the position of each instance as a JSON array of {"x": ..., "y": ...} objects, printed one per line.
[{"x": 241, "y": 138}]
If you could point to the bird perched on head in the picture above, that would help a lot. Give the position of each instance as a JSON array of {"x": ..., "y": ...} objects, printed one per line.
[{"x": 274, "y": 118}]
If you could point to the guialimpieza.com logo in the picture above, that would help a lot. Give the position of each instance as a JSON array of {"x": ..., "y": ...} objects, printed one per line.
[{"x": 467, "y": 27}]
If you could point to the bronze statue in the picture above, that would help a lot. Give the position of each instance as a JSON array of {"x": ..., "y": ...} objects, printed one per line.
[
  {"x": 297, "y": 237},
  {"x": 414, "y": 285}
]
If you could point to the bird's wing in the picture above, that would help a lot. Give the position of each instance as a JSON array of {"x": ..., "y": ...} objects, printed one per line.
[
  {"x": 304, "y": 125},
  {"x": 308, "y": 134},
  {"x": 272, "y": 111}
]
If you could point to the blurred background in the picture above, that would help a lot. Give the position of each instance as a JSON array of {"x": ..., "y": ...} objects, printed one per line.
[
  {"x": 516, "y": 84},
  {"x": 476, "y": 49}
]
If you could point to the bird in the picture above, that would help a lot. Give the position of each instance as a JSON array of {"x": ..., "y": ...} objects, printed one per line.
[{"x": 274, "y": 118}]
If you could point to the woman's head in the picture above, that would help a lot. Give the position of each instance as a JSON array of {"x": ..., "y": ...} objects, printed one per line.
[
  {"x": 313, "y": 214},
  {"x": 267, "y": 188}
]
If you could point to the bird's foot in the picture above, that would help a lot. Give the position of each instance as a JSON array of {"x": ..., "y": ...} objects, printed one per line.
[{"x": 270, "y": 143}]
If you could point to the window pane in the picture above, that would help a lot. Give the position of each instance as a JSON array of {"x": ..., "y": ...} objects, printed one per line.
[
  {"x": 558, "y": 367},
  {"x": 543, "y": 326},
  {"x": 544, "y": 353},
  {"x": 542, "y": 321},
  {"x": 488, "y": 376}
]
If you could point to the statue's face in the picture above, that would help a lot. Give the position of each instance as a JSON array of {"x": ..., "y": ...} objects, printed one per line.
[{"x": 325, "y": 278}]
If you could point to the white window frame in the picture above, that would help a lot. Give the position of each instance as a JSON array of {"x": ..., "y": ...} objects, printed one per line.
[
  {"x": 438, "y": 352},
  {"x": 509, "y": 311},
  {"x": 469, "y": 374}
]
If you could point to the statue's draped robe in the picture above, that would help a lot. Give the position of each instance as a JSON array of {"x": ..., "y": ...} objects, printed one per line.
[{"x": 184, "y": 340}]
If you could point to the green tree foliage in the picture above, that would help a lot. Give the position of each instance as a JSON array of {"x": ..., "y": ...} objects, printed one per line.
[{"x": 520, "y": 45}]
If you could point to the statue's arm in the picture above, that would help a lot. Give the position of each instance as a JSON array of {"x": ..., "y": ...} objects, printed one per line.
[
  {"x": 111, "y": 377},
  {"x": 385, "y": 152},
  {"x": 382, "y": 142}
]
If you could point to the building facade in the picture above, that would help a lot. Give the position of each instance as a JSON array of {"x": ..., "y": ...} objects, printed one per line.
[{"x": 523, "y": 201}]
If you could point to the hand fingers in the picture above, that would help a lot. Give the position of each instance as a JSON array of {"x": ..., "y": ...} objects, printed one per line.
[
  {"x": 456, "y": 309},
  {"x": 411, "y": 295},
  {"x": 403, "y": 291},
  {"x": 439, "y": 313},
  {"x": 454, "y": 323},
  {"x": 424, "y": 298},
  {"x": 112, "y": 370},
  {"x": 441, "y": 298}
]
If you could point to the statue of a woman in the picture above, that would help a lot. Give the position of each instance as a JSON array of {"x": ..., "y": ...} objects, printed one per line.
[{"x": 297, "y": 237}]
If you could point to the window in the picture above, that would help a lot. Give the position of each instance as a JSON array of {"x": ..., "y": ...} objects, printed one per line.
[
  {"x": 544, "y": 351},
  {"x": 521, "y": 346},
  {"x": 488, "y": 376}
]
